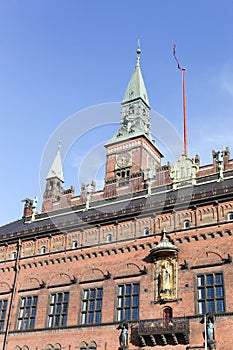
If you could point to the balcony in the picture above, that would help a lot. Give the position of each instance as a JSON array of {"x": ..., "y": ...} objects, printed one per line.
[{"x": 164, "y": 331}]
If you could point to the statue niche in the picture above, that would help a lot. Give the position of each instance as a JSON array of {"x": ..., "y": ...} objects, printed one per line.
[
  {"x": 165, "y": 260},
  {"x": 165, "y": 279}
]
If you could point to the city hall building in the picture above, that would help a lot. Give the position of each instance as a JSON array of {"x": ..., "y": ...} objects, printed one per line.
[{"x": 145, "y": 263}]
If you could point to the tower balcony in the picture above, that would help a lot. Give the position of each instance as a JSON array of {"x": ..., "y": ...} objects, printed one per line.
[{"x": 164, "y": 331}]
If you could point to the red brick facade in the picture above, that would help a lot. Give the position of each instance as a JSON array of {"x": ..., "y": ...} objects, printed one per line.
[{"x": 149, "y": 255}]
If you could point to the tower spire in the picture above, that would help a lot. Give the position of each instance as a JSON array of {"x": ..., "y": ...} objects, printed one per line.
[{"x": 135, "y": 116}]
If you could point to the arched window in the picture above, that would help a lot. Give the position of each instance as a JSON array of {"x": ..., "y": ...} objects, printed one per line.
[
  {"x": 92, "y": 346},
  {"x": 83, "y": 346},
  {"x": 109, "y": 238},
  {"x": 230, "y": 216},
  {"x": 187, "y": 224},
  {"x": 75, "y": 244},
  {"x": 167, "y": 317},
  {"x": 13, "y": 255},
  {"x": 43, "y": 250}
]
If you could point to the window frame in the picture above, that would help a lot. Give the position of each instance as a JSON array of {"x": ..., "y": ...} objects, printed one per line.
[
  {"x": 53, "y": 316},
  {"x": 209, "y": 288},
  {"x": 89, "y": 306},
  {"x": 123, "y": 307},
  {"x": 4, "y": 303},
  {"x": 23, "y": 315}
]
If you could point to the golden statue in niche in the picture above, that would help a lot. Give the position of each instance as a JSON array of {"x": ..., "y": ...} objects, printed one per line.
[
  {"x": 165, "y": 259},
  {"x": 165, "y": 279}
]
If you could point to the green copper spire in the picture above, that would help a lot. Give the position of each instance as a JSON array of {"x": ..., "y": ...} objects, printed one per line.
[
  {"x": 135, "y": 116},
  {"x": 136, "y": 87}
]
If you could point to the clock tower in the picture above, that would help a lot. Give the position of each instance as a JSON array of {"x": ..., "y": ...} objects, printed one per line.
[{"x": 131, "y": 153}]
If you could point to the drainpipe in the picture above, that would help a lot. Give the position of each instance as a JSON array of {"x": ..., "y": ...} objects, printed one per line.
[{"x": 12, "y": 295}]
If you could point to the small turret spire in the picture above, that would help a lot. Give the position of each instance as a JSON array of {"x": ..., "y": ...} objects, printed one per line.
[
  {"x": 55, "y": 179},
  {"x": 56, "y": 167}
]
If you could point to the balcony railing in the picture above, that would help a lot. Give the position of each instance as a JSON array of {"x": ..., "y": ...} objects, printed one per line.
[{"x": 164, "y": 331}]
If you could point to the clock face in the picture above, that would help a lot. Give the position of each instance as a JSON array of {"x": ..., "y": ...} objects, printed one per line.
[{"x": 123, "y": 160}]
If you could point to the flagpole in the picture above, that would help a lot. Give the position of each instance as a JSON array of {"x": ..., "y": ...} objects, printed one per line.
[{"x": 184, "y": 100}]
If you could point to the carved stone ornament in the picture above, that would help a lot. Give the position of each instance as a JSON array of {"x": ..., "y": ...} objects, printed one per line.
[{"x": 184, "y": 171}]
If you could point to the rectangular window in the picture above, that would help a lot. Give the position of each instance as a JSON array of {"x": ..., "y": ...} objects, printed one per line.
[
  {"x": 58, "y": 309},
  {"x": 128, "y": 301},
  {"x": 210, "y": 293},
  {"x": 3, "y": 306},
  {"x": 27, "y": 313},
  {"x": 92, "y": 305}
]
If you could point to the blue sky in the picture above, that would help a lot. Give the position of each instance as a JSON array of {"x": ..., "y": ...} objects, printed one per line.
[{"x": 58, "y": 57}]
